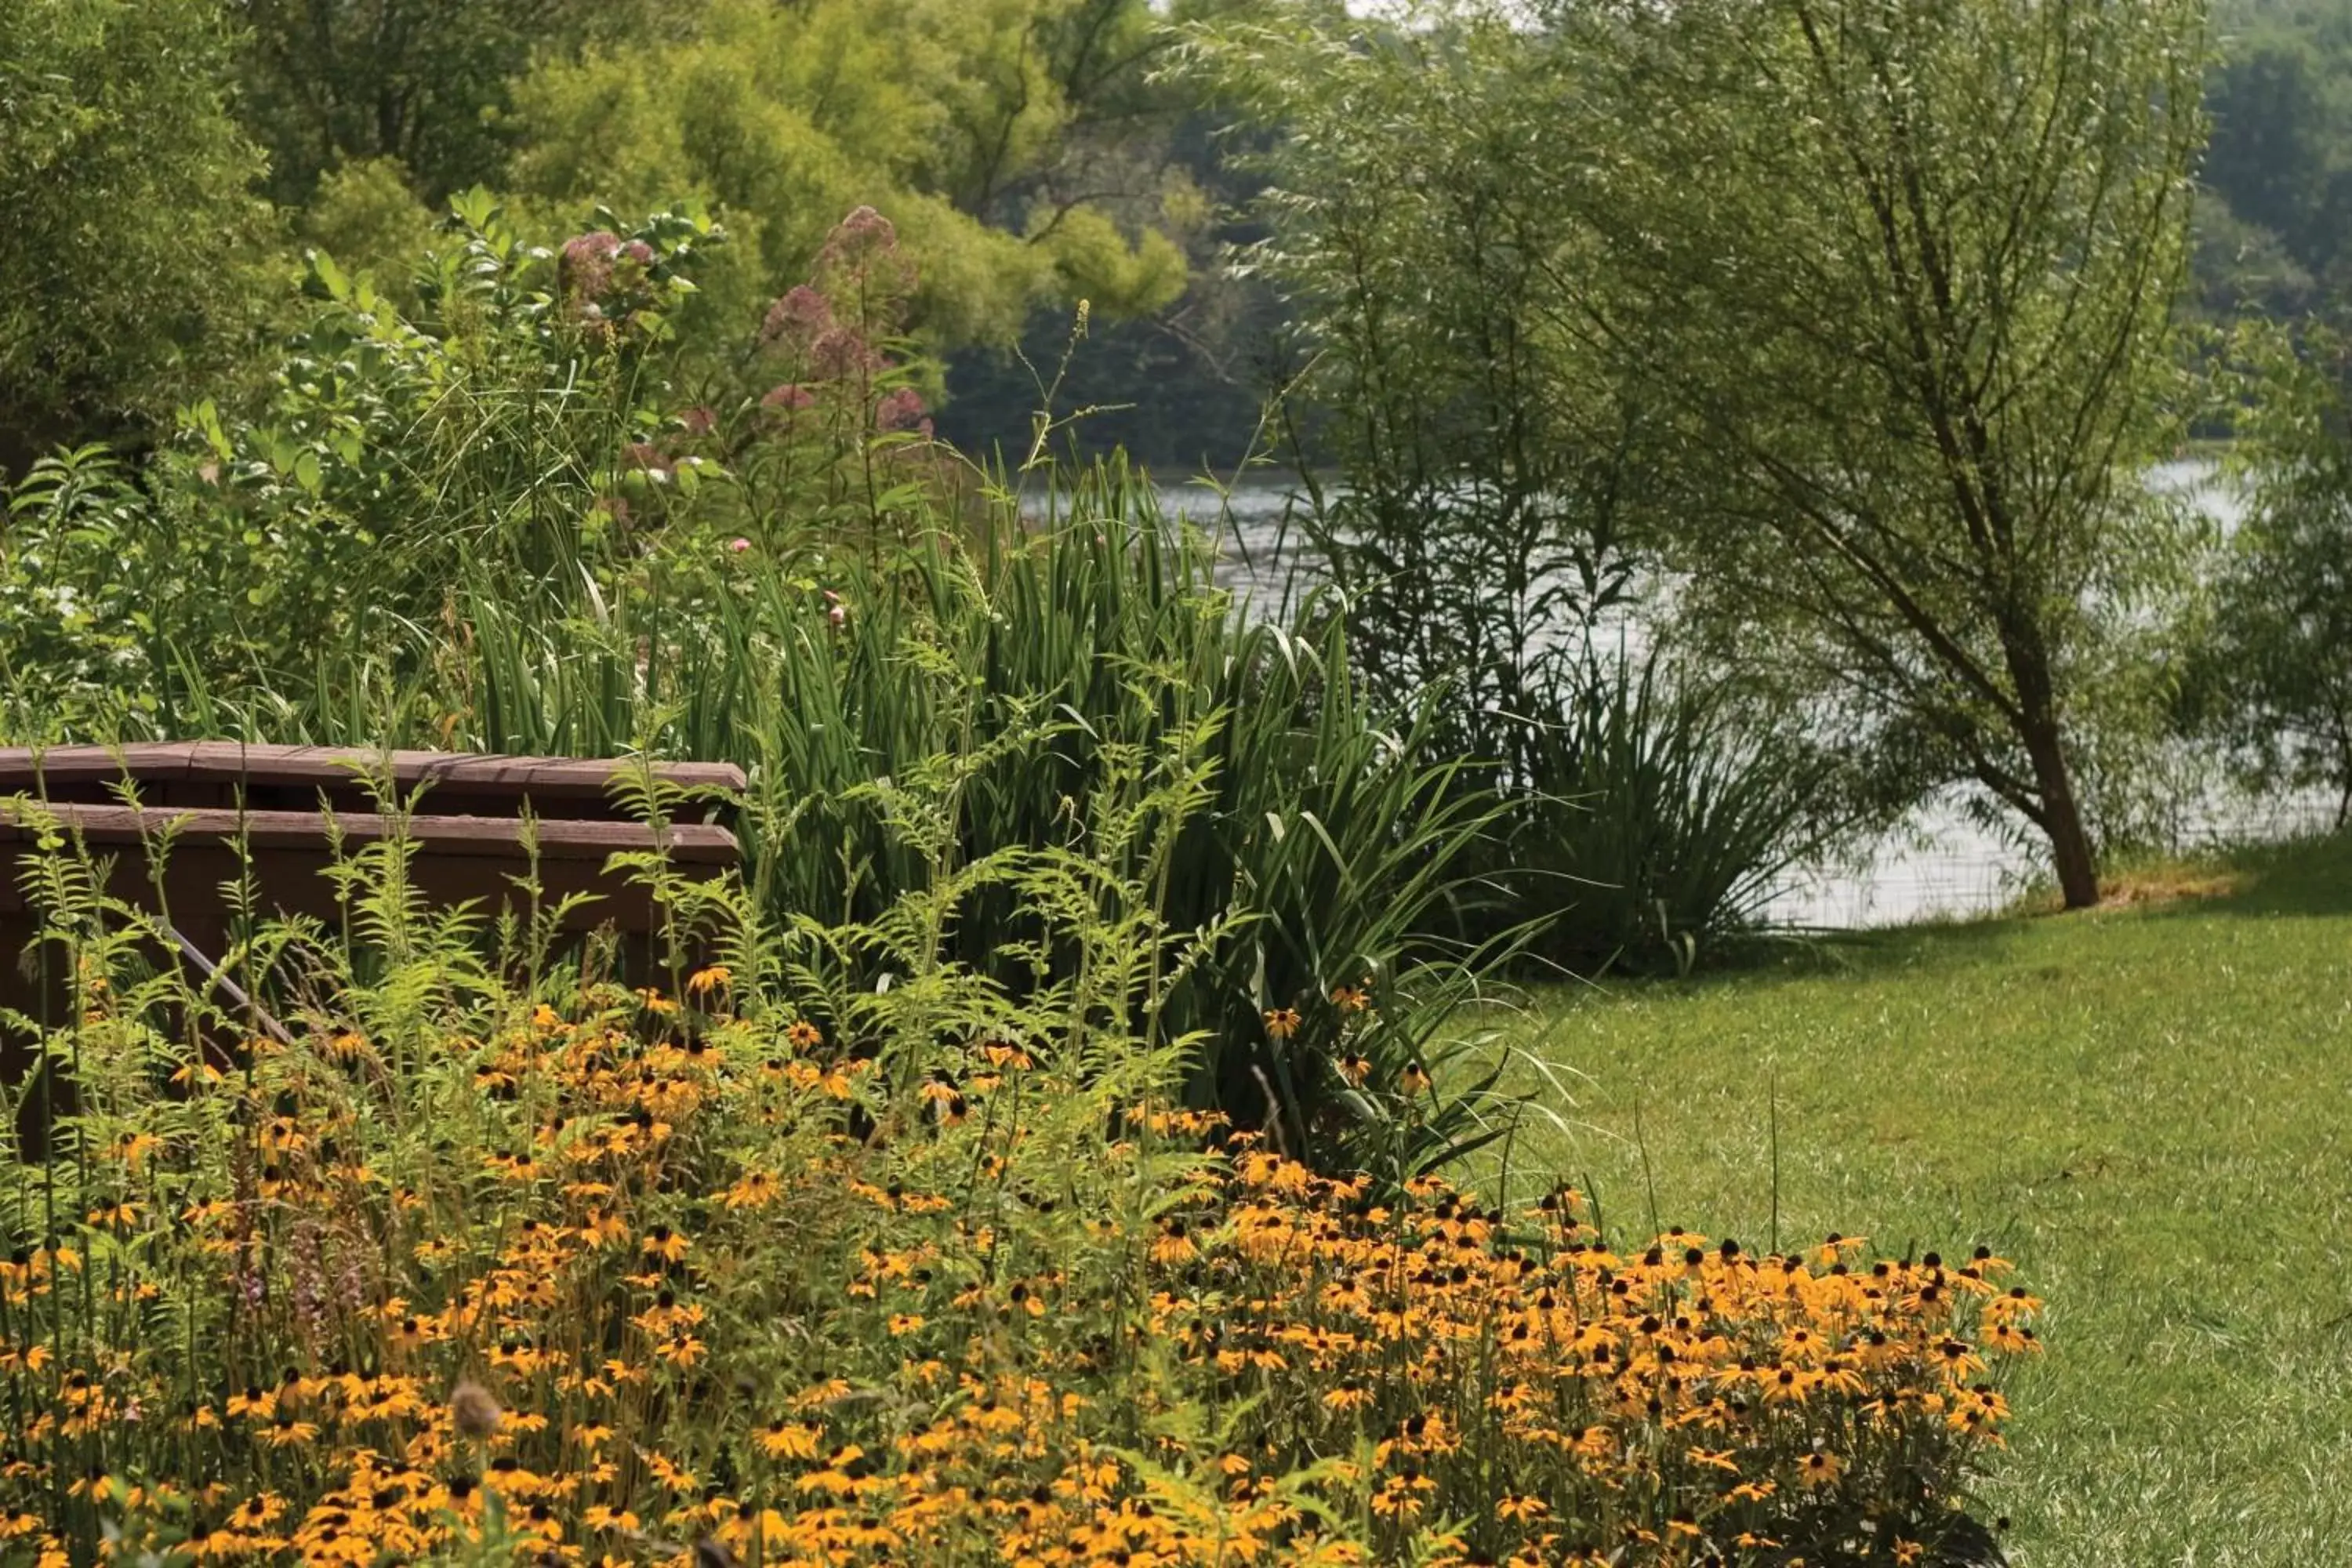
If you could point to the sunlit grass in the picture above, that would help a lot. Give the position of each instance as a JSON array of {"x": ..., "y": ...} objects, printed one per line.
[{"x": 2146, "y": 1107}]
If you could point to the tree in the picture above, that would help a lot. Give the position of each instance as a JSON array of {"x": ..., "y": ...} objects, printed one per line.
[
  {"x": 1494, "y": 492},
  {"x": 2281, "y": 158},
  {"x": 2273, "y": 680},
  {"x": 1413, "y": 228},
  {"x": 1181, "y": 388},
  {"x": 1905, "y": 268},
  {"x": 331, "y": 82},
  {"x": 2273, "y": 141},
  {"x": 952, "y": 117},
  {"x": 136, "y": 263}
]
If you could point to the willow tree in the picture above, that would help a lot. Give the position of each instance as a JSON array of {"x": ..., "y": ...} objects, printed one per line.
[
  {"x": 966, "y": 123},
  {"x": 1905, "y": 268}
]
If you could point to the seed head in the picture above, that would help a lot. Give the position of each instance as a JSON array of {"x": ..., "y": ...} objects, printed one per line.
[{"x": 474, "y": 1412}]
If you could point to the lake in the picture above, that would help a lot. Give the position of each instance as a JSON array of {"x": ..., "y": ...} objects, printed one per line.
[{"x": 1939, "y": 863}]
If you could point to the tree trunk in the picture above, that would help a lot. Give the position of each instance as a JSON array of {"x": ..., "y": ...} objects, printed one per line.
[
  {"x": 2070, "y": 844},
  {"x": 2062, "y": 815},
  {"x": 2038, "y": 728}
]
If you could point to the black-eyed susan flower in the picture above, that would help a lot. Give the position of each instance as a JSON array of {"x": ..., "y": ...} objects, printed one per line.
[
  {"x": 788, "y": 1440},
  {"x": 1173, "y": 1244}
]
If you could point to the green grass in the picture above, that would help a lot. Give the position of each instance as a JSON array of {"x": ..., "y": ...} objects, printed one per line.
[{"x": 2147, "y": 1108}]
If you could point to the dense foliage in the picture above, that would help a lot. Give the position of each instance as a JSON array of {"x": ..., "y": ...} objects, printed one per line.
[
  {"x": 1021, "y": 147},
  {"x": 559, "y": 561},
  {"x": 1544, "y": 431},
  {"x": 1494, "y": 520},
  {"x": 135, "y": 252},
  {"x": 2272, "y": 232}
]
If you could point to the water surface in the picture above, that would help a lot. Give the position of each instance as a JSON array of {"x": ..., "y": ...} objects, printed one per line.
[{"x": 1939, "y": 863}]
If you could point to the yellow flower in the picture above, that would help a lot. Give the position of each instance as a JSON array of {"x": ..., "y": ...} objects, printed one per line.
[
  {"x": 134, "y": 1148},
  {"x": 789, "y": 1440},
  {"x": 285, "y": 1431},
  {"x": 1173, "y": 1244},
  {"x": 257, "y": 1403},
  {"x": 1281, "y": 1023},
  {"x": 1003, "y": 1056},
  {"x": 2012, "y": 1339},
  {"x": 1401, "y": 1496},
  {"x": 703, "y": 981},
  {"x": 1819, "y": 1468}
]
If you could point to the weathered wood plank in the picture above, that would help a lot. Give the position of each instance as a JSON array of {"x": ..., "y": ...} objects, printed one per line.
[
  {"x": 558, "y": 837},
  {"x": 23, "y": 769},
  {"x": 295, "y": 881}
]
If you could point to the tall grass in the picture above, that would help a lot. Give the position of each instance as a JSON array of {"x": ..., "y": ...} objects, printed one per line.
[
  {"x": 1656, "y": 816},
  {"x": 915, "y": 707}
]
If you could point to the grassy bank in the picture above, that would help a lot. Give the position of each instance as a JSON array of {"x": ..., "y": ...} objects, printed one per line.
[{"x": 2146, "y": 1107}]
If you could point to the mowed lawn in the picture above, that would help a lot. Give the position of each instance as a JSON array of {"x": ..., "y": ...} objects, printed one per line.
[{"x": 2149, "y": 1108}]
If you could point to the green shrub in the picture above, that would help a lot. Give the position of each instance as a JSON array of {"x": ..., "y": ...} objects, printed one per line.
[
  {"x": 263, "y": 551},
  {"x": 141, "y": 265},
  {"x": 1655, "y": 815},
  {"x": 492, "y": 528}
]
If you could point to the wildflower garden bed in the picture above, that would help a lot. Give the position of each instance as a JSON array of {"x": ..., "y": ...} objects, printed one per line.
[{"x": 473, "y": 1269}]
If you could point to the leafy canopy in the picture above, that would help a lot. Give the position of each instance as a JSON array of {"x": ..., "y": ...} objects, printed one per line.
[
  {"x": 134, "y": 254},
  {"x": 947, "y": 115}
]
